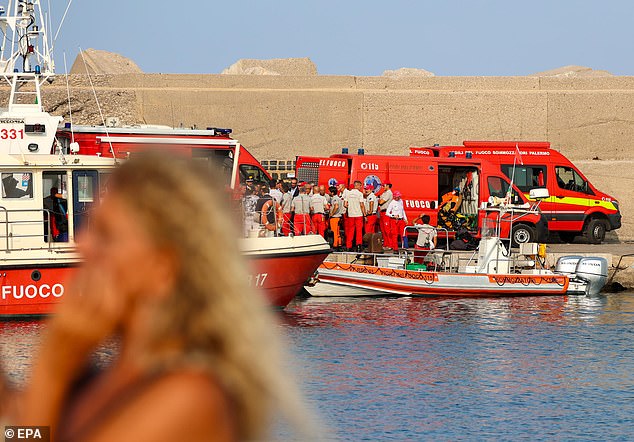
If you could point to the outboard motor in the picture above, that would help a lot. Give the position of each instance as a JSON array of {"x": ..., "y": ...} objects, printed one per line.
[
  {"x": 567, "y": 265},
  {"x": 593, "y": 270}
]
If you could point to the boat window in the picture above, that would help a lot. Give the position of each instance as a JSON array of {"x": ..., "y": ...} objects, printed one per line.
[
  {"x": 526, "y": 177},
  {"x": 499, "y": 188},
  {"x": 85, "y": 194},
  {"x": 55, "y": 206},
  {"x": 17, "y": 185},
  {"x": 85, "y": 190},
  {"x": 248, "y": 170},
  {"x": 569, "y": 179}
]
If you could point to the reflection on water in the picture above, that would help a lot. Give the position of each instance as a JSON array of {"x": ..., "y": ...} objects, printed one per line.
[
  {"x": 415, "y": 368},
  {"x": 18, "y": 341},
  {"x": 439, "y": 369}
]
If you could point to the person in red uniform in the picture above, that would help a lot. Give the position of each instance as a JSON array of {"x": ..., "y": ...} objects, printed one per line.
[
  {"x": 371, "y": 207},
  {"x": 287, "y": 213},
  {"x": 384, "y": 201},
  {"x": 301, "y": 209},
  {"x": 319, "y": 207},
  {"x": 398, "y": 221},
  {"x": 353, "y": 201}
]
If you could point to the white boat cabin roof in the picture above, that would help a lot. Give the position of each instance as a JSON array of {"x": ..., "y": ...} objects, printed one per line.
[{"x": 47, "y": 161}]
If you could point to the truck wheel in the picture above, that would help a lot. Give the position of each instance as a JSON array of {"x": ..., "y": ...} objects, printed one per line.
[
  {"x": 523, "y": 233},
  {"x": 595, "y": 231},
  {"x": 567, "y": 236}
]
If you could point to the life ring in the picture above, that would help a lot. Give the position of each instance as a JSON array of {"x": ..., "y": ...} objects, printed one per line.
[{"x": 264, "y": 219}]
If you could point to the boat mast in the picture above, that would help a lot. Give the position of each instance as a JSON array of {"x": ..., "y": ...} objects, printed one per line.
[{"x": 26, "y": 61}]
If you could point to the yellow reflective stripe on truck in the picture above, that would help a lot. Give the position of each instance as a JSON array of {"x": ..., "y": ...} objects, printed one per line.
[{"x": 590, "y": 202}]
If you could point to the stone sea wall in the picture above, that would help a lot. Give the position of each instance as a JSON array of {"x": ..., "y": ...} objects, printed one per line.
[{"x": 589, "y": 119}]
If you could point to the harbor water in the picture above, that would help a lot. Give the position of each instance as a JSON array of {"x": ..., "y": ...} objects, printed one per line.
[
  {"x": 439, "y": 369},
  {"x": 482, "y": 369}
]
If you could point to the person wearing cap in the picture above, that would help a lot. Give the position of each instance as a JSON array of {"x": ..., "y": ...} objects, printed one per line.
[
  {"x": 336, "y": 214},
  {"x": 301, "y": 209},
  {"x": 398, "y": 220},
  {"x": 384, "y": 201},
  {"x": 371, "y": 206},
  {"x": 250, "y": 184},
  {"x": 318, "y": 208},
  {"x": 353, "y": 224}
]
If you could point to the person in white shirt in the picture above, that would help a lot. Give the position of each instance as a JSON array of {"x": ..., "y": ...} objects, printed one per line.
[
  {"x": 287, "y": 206},
  {"x": 427, "y": 234},
  {"x": 336, "y": 212},
  {"x": 398, "y": 220},
  {"x": 427, "y": 240},
  {"x": 384, "y": 201},
  {"x": 322, "y": 192},
  {"x": 301, "y": 211},
  {"x": 353, "y": 224},
  {"x": 371, "y": 207},
  {"x": 276, "y": 191},
  {"x": 318, "y": 207}
]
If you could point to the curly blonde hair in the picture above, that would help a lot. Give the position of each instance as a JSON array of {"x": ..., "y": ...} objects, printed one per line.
[{"x": 214, "y": 315}]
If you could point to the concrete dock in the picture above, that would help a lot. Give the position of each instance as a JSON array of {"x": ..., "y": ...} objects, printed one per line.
[{"x": 620, "y": 256}]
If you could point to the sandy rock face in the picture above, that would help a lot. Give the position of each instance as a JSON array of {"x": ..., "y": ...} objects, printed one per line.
[
  {"x": 298, "y": 67},
  {"x": 103, "y": 62},
  {"x": 573, "y": 71},
  {"x": 407, "y": 73}
]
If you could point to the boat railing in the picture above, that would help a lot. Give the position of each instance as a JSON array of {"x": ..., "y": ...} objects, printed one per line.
[
  {"x": 443, "y": 260},
  {"x": 253, "y": 226},
  {"x": 30, "y": 225}
]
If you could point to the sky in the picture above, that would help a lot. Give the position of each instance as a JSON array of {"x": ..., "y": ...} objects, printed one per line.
[{"x": 355, "y": 37}]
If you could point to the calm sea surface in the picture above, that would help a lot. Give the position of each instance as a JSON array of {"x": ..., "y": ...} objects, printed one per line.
[{"x": 430, "y": 369}]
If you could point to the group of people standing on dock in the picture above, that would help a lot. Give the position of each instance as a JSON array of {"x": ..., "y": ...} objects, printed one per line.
[{"x": 344, "y": 213}]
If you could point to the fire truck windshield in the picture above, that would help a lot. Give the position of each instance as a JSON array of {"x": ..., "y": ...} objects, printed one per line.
[
  {"x": 569, "y": 179},
  {"x": 253, "y": 172}
]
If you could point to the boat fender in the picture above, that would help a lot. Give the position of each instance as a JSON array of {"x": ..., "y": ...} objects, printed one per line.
[{"x": 279, "y": 216}]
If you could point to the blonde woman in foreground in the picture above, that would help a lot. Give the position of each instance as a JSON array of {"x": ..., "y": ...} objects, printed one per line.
[{"x": 199, "y": 353}]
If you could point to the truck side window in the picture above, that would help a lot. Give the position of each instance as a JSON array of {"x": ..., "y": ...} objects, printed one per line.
[
  {"x": 569, "y": 179},
  {"x": 526, "y": 177},
  {"x": 499, "y": 188}
]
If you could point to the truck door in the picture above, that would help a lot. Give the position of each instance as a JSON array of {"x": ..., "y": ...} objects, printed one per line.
[
  {"x": 85, "y": 195},
  {"x": 569, "y": 200}
]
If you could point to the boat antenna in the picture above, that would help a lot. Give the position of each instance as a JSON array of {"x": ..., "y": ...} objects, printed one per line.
[
  {"x": 49, "y": 13},
  {"x": 94, "y": 92},
  {"x": 59, "y": 28},
  {"x": 70, "y": 109}
]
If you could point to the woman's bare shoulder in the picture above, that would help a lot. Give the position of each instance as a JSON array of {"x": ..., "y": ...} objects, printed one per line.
[{"x": 180, "y": 405}]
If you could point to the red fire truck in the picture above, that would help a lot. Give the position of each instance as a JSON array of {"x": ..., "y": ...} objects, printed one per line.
[
  {"x": 213, "y": 144},
  {"x": 574, "y": 207},
  {"x": 424, "y": 179}
]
